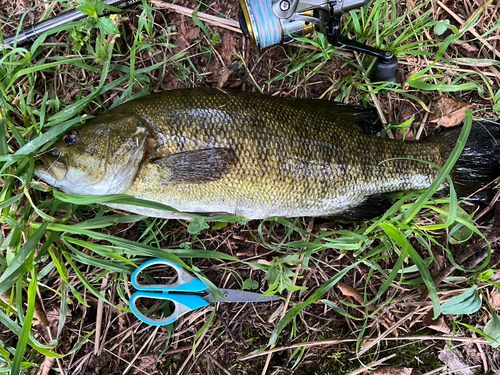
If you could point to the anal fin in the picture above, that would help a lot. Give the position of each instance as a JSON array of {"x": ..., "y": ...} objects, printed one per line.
[{"x": 373, "y": 206}]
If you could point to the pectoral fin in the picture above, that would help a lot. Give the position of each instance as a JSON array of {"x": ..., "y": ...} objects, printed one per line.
[{"x": 197, "y": 166}]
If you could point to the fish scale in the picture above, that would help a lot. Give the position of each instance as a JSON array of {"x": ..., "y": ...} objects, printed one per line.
[
  {"x": 291, "y": 157},
  {"x": 292, "y": 161}
]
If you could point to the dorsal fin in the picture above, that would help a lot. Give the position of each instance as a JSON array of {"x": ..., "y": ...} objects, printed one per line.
[{"x": 366, "y": 118}]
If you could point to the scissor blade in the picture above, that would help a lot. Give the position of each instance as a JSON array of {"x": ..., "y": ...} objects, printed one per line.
[{"x": 232, "y": 295}]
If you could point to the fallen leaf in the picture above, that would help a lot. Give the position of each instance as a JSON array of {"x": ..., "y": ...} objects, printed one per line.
[
  {"x": 148, "y": 362},
  {"x": 226, "y": 73},
  {"x": 407, "y": 112},
  {"x": 53, "y": 317},
  {"x": 5, "y": 298},
  {"x": 187, "y": 35},
  {"x": 438, "y": 324},
  {"x": 191, "y": 318},
  {"x": 495, "y": 299},
  {"x": 393, "y": 370},
  {"x": 42, "y": 184},
  {"x": 349, "y": 291},
  {"x": 448, "y": 112},
  {"x": 496, "y": 223},
  {"x": 123, "y": 322},
  {"x": 438, "y": 264},
  {"x": 469, "y": 49},
  {"x": 277, "y": 312},
  {"x": 228, "y": 47},
  {"x": 40, "y": 314},
  {"x": 454, "y": 361},
  {"x": 46, "y": 366}
]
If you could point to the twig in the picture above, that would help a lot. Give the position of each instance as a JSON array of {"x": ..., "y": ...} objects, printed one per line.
[
  {"x": 58, "y": 360},
  {"x": 125, "y": 335},
  {"x": 452, "y": 372},
  {"x": 489, "y": 207},
  {"x": 204, "y": 348},
  {"x": 483, "y": 358},
  {"x": 214, "y": 361},
  {"x": 249, "y": 72},
  {"x": 178, "y": 350},
  {"x": 371, "y": 365},
  {"x": 113, "y": 354},
  {"x": 374, "y": 98},
  {"x": 439, "y": 370},
  {"x": 188, "y": 358},
  {"x": 81, "y": 362},
  {"x": 228, "y": 329},
  {"x": 387, "y": 332},
  {"x": 98, "y": 324},
  {"x": 422, "y": 125},
  {"x": 140, "y": 350},
  {"x": 213, "y": 20},
  {"x": 309, "y": 75}
]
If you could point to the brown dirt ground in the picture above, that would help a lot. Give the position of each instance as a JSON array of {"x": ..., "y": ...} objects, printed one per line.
[{"x": 239, "y": 329}]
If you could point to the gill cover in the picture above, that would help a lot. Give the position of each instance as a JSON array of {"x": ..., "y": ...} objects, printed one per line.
[{"x": 103, "y": 158}]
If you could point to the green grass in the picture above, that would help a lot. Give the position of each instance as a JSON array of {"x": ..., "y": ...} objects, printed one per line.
[{"x": 48, "y": 235}]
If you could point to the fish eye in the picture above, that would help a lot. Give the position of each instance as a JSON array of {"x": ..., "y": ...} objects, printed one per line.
[{"x": 70, "y": 138}]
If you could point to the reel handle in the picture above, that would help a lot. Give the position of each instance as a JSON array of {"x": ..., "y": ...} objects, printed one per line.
[{"x": 387, "y": 63}]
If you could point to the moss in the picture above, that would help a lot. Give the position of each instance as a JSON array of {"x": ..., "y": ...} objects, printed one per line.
[
  {"x": 341, "y": 360},
  {"x": 254, "y": 337}
]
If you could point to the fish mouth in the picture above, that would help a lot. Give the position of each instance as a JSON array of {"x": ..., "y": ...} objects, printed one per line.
[{"x": 52, "y": 167}]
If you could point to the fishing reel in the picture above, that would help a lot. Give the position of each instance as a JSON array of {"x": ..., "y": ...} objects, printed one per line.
[{"x": 269, "y": 22}]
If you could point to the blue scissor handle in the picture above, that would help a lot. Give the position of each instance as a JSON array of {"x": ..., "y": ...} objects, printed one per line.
[
  {"x": 185, "y": 281},
  {"x": 183, "y": 303}
]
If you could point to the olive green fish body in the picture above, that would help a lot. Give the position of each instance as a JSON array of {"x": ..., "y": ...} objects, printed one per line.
[{"x": 209, "y": 151}]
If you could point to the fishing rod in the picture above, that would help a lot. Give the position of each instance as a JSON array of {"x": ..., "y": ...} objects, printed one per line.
[
  {"x": 265, "y": 22},
  {"x": 30, "y": 34}
]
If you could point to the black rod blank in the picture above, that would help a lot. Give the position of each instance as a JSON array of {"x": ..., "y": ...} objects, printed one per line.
[{"x": 28, "y": 35}]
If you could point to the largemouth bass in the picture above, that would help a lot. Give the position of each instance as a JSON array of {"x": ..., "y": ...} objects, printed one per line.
[{"x": 209, "y": 151}]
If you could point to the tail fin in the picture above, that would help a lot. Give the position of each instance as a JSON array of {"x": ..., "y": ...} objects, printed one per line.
[{"x": 479, "y": 163}]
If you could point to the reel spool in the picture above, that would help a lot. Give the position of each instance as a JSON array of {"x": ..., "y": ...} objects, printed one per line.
[
  {"x": 269, "y": 22},
  {"x": 264, "y": 28}
]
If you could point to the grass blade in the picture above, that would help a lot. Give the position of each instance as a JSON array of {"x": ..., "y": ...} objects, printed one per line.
[
  {"x": 22, "y": 261},
  {"x": 25, "y": 331},
  {"x": 406, "y": 247}
]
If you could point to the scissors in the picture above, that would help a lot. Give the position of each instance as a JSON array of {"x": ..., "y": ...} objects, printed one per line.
[{"x": 188, "y": 293}]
